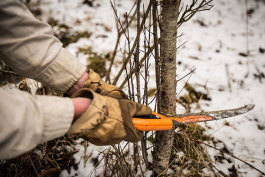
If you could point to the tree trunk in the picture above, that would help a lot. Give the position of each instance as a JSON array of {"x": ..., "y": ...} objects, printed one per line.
[{"x": 164, "y": 139}]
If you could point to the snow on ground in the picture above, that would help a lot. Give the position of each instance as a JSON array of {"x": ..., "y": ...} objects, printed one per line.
[
  {"x": 231, "y": 79},
  {"x": 216, "y": 45}
]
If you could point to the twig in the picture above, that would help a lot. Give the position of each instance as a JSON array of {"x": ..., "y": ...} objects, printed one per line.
[
  {"x": 147, "y": 65},
  {"x": 182, "y": 44},
  {"x": 132, "y": 49},
  {"x": 121, "y": 157},
  {"x": 118, "y": 20},
  {"x": 145, "y": 96},
  {"x": 136, "y": 59},
  {"x": 190, "y": 10},
  {"x": 9, "y": 72},
  {"x": 187, "y": 74},
  {"x": 228, "y": 77},
  {"x": 133, "y": 70},
  {"x": 190, "y": 73},
  {"x": 232, "y": 155},
  {"x": 33, "y": 166},
  {"x": 210, "y": 165},
  {"x": 163, "y": 172},
  {"x": 85, "y": 151},
  {"x": 131, "y": 93},
  {"x": 49, "y": 172},
  {"x": 157, "y": 58},
  {"x": 120, "y": 32}
]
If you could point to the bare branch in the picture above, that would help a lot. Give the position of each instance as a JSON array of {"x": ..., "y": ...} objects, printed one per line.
[
  {"x": 120, "y": 33},
  {"x": 140, "y": 64},
  {"x": 133, "y": 47},
  {"x": 191, "y": 10}
]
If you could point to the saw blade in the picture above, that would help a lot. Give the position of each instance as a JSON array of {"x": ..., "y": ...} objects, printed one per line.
[{"x": 213, "y": 115}]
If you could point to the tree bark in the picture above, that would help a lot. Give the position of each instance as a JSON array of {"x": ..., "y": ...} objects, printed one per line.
[{"x": 168, "y": 49}]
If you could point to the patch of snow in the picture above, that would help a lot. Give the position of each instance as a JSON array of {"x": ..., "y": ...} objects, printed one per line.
[{"x": 220, "y": 43}]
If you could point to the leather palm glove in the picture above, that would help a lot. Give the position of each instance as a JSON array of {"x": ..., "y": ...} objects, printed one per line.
[
  {"x": 95, "y": 83},
  {"x": 107, "y": 120}
]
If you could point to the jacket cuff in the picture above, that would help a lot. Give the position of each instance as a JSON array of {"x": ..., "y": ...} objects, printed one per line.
[
  {"x": 58, "y": 114},
  {"x": 63, "y": 73}
]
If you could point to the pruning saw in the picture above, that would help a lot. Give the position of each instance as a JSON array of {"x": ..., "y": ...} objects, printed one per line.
[{"x": 156, "y": 121}]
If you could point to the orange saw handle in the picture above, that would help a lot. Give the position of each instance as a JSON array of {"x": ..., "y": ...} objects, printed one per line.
[{"x": 152, "y": 122}]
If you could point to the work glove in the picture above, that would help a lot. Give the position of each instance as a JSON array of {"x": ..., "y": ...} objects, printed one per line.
[
  {"x": 95, "y": 83},
  {"x": 107, "y": 120}
]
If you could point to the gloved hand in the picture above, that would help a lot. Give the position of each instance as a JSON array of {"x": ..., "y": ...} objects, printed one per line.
[
  {"x": 108, "y": 120},
  {"x": 95, "y": 83}
]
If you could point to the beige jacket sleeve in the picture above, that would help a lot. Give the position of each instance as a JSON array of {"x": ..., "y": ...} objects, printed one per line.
[
  {"x": 27, "y": 120},
  {"x": 27, "y": 45}
]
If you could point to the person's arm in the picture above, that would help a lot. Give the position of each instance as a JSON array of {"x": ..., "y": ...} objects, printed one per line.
[
  {"x": 27, "y": 120},
  {"x": 28, "y": 46}
]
